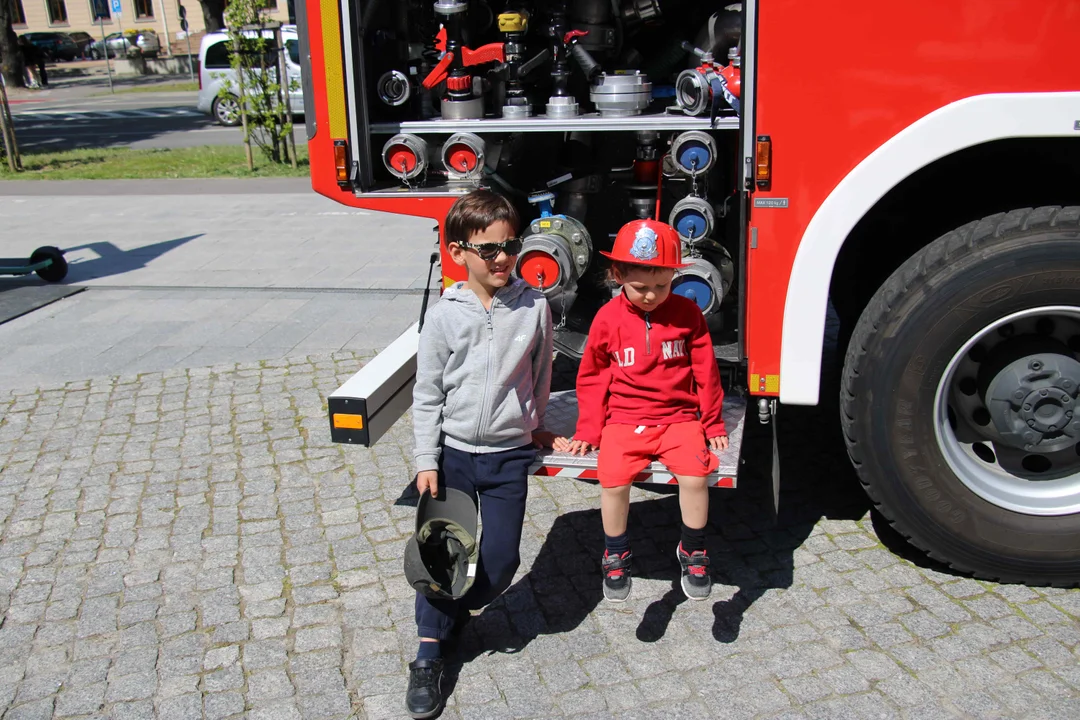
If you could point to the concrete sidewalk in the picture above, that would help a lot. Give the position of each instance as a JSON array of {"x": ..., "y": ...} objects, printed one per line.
[{"x": 235, "y": 271}]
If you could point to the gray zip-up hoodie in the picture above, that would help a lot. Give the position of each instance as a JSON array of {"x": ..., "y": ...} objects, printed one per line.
[{"x": 482, "y": 377}]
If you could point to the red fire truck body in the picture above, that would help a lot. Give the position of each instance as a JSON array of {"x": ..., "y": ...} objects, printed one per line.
[{"x": 914, "y": 163}]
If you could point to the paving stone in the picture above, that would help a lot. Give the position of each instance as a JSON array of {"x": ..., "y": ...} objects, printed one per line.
[
  {"x": 81, "y": 701},
  {"x": 222, "y": 705},
  {"x": 181, "y": 707},
  {"x": 268, "y": 685},
  {"x": 264, "y": 654},
  {"x": 228, "y": 678},
  {"x": 280, "y": 711},
  {"x": 319, "y": 637},
  {"x": 161, "y": 565}
]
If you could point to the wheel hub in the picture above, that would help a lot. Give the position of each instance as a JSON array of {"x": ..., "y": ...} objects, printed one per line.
[
  {"x": 1007, "y": 412},
  {"x": 1032, "y": 402}
]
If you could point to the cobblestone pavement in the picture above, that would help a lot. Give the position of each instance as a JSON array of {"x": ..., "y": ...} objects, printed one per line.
[{"x": 189, "y": 544}]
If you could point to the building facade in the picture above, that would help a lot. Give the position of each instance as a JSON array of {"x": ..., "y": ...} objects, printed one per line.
[{"x": 161, "y": 16}]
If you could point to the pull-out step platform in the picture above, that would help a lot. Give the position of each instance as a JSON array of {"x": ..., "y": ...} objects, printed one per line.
[
  {"x": 562, "y": 417},
  {"x": 374, "y": 398}
]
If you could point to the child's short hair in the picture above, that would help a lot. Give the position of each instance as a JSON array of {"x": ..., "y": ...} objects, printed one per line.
[
  {"x": 625, "y": 269},
  {"x": 476, "y": 212}
]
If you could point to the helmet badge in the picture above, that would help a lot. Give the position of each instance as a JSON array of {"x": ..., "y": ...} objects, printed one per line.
[{"x": 644, "y": 247}]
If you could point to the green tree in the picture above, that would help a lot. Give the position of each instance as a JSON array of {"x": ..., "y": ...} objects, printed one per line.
[{"x": 264, "y": 102}]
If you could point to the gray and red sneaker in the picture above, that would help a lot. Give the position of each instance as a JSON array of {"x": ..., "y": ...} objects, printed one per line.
[
  {"x": 696, "y": 580},
  {"x": 617, "y": 581}
]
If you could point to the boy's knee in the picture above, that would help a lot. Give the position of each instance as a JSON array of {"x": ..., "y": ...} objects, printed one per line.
[
  {"x": 616, "y": 491},
  {"x": 692, "y": 483}
]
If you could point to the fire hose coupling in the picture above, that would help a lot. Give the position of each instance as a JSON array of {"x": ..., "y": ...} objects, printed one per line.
[
  {"x": 694, "y": 152},
  {"x": 621, "y": 94},
  {"x": 451, "y": 7},
  {"x": 463, "y": 156},
  {"x": 405, "y": 156},
  {"x": 555, "y": 254},
  {"x": 704, "y": 283},
  {"x": 698, "y": 89},
  {"x": 693, "y": 218},
  {"x": 394, "y": 88}
]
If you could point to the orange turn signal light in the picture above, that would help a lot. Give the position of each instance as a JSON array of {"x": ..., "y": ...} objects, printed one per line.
[
  {"x": 346, "y": 421},
  {"x": 341, "y": 161},
  {"x": 763, "y": 160}
]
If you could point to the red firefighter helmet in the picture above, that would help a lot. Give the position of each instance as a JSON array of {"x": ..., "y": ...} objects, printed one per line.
[{"x": 647, "y": 242}]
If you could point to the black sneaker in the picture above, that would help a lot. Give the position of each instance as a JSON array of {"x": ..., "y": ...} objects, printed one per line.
[
  {"x": 696, "y": 581},
  {"x": 617, "y": 581},
  {"x": 424, "y": 698}
]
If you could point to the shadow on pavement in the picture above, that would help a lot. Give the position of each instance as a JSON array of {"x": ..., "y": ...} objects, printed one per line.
[
  {"x": 111, "y": 260},
  {"x": 749, "y": 551}
]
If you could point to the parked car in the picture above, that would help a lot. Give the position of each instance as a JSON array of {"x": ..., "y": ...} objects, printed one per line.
[
  {"x": 82, "y": 40},
  {"x": 215, "y": 72},
  {"x": 119, "y": 43},
  {"x": 55, "y": 45}
]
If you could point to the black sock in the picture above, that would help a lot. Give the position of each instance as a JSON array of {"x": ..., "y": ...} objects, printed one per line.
[
  {"x": 692, "y": 539},
  {"x": 429, "y": 651},
  {"x": 617, "y": 544}
]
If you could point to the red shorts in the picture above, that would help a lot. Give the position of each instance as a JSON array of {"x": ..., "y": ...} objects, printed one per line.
[{"x": 625, "y": 452}]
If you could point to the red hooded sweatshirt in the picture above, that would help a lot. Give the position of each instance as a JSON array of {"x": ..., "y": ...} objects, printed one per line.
[{"x": 654, "y": 368}]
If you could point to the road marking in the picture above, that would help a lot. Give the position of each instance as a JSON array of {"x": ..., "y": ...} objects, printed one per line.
[{"x": 73, "y": 116}]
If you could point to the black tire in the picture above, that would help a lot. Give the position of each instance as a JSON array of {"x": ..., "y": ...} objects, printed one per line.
[
  {"x": 55, "y": 272},
  {"x": 914, "y": 325}
]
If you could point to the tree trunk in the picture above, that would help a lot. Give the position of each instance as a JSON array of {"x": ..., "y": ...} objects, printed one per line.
[
  {"x": 9, "y": 49},
  {"x": 213, "y": 12}
]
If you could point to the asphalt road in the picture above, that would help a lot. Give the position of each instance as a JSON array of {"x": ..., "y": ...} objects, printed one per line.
[{"x": 66, "y": 119}]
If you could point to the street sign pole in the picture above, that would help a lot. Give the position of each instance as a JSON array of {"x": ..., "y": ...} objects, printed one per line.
[
  {"x": 105, "y": 49},
  {"x": 182, "y": 11},
  {"x": 190, "y": 59},
  {"x": 118, "y": 11},
  {"x": 101, "y": 11}
]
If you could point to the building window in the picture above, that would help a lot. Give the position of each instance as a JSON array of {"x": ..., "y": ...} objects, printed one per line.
[
  {"x": 18, "y": 17},
  {"x": 271, "y": 5},
  {"x": 57, "y": 12},
  {"x": 100, "y": 9},
  {"x": 144, "y": 9}
]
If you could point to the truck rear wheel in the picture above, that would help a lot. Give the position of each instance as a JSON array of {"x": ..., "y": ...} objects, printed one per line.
[{"x": 959, "y": 391}]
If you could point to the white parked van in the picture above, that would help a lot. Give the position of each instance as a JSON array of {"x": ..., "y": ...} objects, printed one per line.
[{"x": 215, "y": 71}]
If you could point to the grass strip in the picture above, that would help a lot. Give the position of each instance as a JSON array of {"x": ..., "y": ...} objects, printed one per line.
[
  {"x": 153, "y": 88},
  {"x": 127, "y": 164}
]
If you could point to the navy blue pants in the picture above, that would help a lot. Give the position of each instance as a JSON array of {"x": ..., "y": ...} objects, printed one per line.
[{"x": 500, "y": 481}]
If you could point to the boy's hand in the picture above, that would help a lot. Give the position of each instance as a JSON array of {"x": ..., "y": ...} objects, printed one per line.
[
  {"x": 543, "y": 438},
  {"x": 428, "y": 481},
  {"x": 574, "y": 447},
  {"x": 720, "y": 442}
]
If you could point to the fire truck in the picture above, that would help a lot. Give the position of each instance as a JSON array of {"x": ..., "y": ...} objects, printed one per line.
[{"x": 913, "y": 165}]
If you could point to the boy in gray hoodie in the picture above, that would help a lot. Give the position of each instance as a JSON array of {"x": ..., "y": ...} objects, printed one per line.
[{"x": 483, "y": 374}]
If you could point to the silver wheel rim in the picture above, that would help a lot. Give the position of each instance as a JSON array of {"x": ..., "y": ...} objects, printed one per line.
[
  {"x": 995, "y": 472},
  {"x": 227, "y": 110}
]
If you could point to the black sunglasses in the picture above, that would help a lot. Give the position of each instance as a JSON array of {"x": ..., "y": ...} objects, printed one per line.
[{"x": 490, "y": 251}]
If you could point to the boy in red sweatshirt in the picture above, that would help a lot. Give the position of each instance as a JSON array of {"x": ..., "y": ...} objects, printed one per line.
[{"x": 648, "y": 388}]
